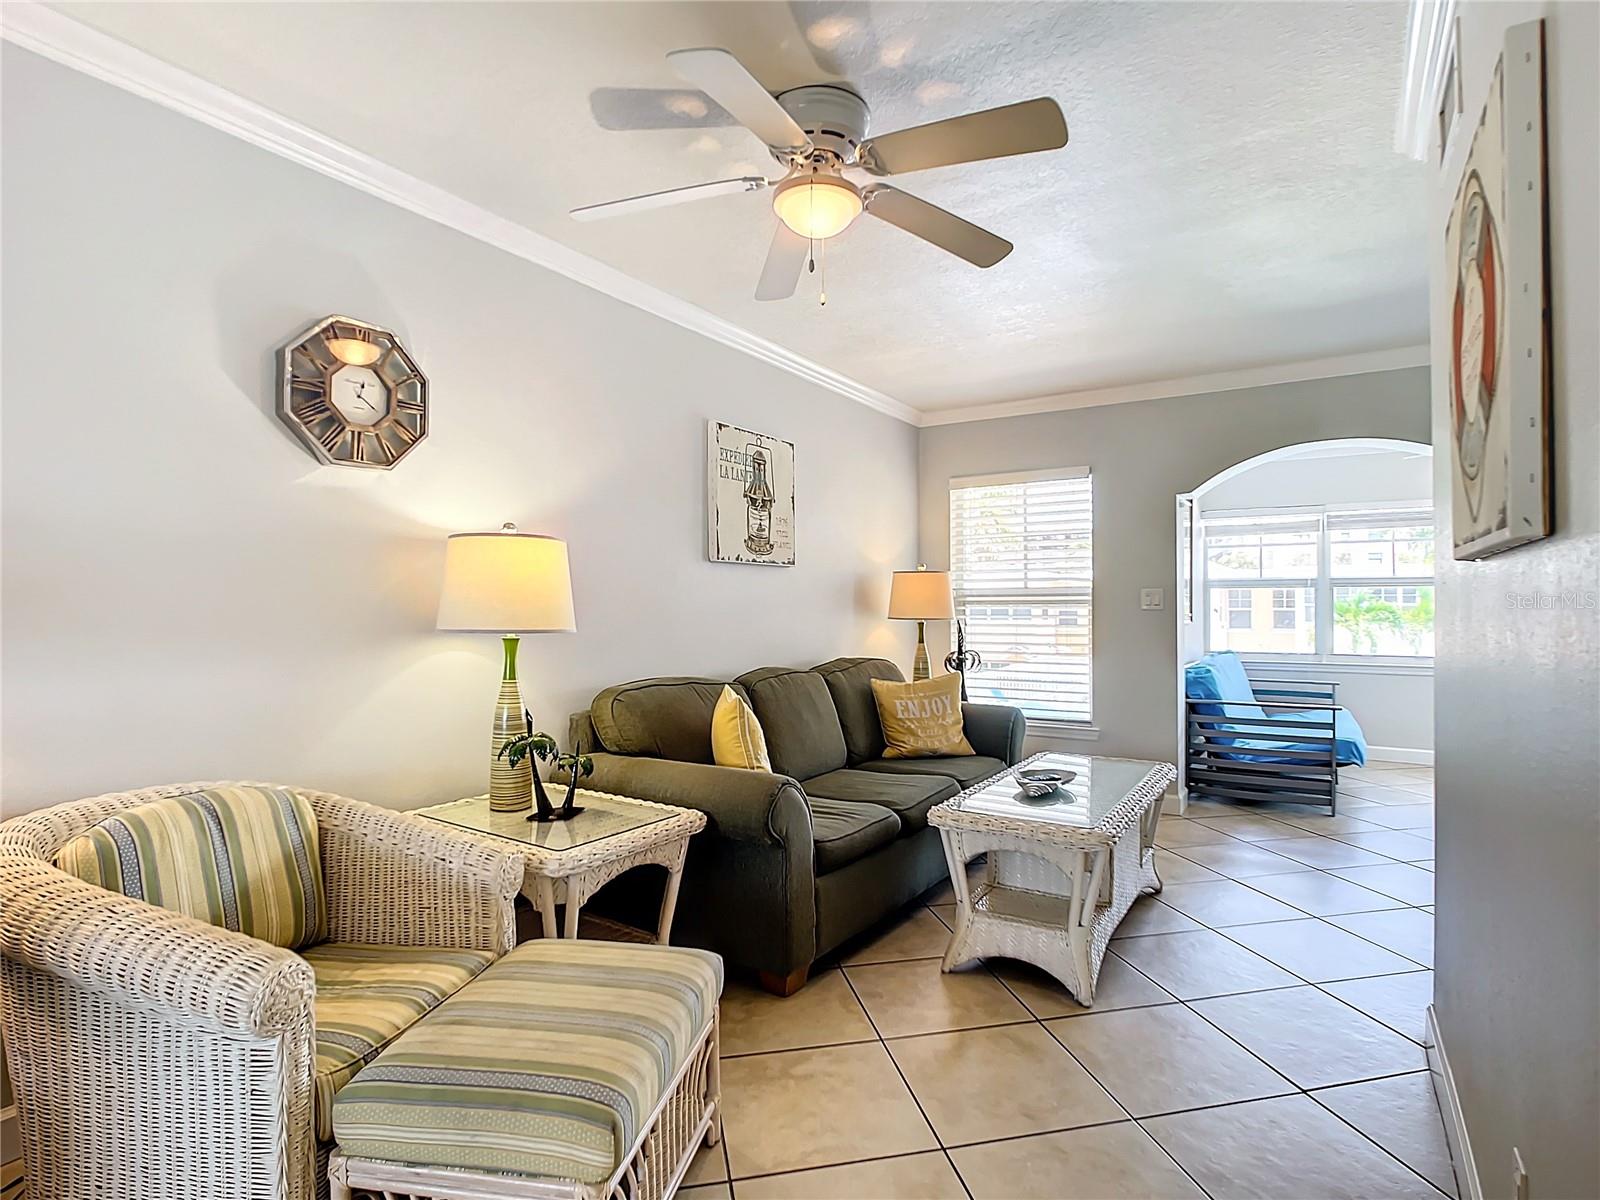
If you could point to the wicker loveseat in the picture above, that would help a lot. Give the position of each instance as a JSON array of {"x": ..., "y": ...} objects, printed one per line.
[{"x": 158, "y": 1057}]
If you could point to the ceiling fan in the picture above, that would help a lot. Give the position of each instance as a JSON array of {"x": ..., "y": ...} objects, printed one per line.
[{"x": 819, "y": 132}]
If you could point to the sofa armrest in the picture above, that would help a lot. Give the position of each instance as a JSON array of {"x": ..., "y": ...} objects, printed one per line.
[
  {"x": 1297, "y": 705},
  {"x": 1191, "y": 702},
  {"x": 402, "y": 880},
  {"x": 746, "y": 806},
  {"x": 750, "y": 884},
  {"x": 1294, "y": 690},
  {"x": 145, "y": 957},
  {"x": 995, "y": 729}
]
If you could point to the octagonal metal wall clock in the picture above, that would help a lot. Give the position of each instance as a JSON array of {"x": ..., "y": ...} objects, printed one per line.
[{"x": 352, "y": 393}]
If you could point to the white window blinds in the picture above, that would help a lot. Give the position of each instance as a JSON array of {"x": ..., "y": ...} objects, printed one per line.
[{"x": 1022, "y": 572}]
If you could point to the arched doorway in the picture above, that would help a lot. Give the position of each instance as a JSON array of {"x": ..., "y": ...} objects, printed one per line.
[{"x": 1309, "y": 560}]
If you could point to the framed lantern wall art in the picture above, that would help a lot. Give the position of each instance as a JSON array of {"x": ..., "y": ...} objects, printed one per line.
[
  {"x": 1496, "y": 253},
  {"x": 749, "y": 497}
]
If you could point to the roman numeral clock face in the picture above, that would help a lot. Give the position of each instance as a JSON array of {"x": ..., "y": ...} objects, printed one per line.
[{"x": 352, "y": 394}]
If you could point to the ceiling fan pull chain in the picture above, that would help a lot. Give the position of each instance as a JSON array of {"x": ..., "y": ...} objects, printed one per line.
[
  {"x": 811, "y": 200},
  {"x": 823, "y": 279}
]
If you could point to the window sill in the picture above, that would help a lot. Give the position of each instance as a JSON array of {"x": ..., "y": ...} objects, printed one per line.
[
  {"x": 1062, "y": 731},
  {"x": 1318, "y": 666}
]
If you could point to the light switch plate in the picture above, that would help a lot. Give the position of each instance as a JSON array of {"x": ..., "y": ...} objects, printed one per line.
[{"x": 1152, "y": 598}]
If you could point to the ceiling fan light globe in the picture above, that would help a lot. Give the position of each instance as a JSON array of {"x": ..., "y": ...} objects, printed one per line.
[{"x": 817, "y": 206}]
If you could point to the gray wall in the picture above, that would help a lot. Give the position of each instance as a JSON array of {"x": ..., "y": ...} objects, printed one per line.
[
  {"x": 188, "y": 594},
  {"x": 1143, "y": 455},
  {"x": 1517, "y": 984}
]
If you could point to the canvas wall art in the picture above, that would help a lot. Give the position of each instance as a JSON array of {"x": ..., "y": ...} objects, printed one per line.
[
  {"x": 750, "y": 501},
  {"x": 1499, "y": 368}
]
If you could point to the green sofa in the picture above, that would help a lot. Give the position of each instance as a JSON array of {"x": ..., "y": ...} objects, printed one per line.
[{"x": 794, "y": 863}]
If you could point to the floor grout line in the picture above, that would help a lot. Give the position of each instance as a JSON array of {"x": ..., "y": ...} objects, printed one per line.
[
  {"x": 1363, "y": 1133},
  {"x": 1084, "y": 1067},
  {"x": 1046, "y": 1022},
  {"x": 906, "y": 1083},
  {"x": 1307, "y": 1092}
]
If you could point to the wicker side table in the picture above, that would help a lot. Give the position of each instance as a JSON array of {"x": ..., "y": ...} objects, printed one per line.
[
  {"x": 1061, "y": 873},
  {"x": 566, "y": 862}
]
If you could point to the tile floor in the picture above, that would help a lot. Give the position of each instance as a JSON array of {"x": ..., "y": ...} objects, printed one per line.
[{"x": 1257, "y": 1032}]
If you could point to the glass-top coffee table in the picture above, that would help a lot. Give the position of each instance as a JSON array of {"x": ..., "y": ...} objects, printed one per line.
[
  {"x": 566, "y": 862},
  {"x": 1061, "y": 871}
]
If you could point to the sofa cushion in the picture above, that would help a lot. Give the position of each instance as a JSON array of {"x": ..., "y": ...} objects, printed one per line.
[
  {"x": 1349, "y": 742},
  {"x": 966, "y": 770},
  {"x": 736, "y": 737},
  {"x": 1220, "y": 675},
  {"x": 244, "y": 858},
  {"x": 909, "y": 797},
  {"x": 669, "y": 717},
  {"x": 921, "y": 719},
  {"x": 799, "y": 720},
  {"x": 548, "y": 1064},
  {"x": 843, "y": 831},
  {"x": 366, "y": 997},
  {"x": 849, "y": 681}
]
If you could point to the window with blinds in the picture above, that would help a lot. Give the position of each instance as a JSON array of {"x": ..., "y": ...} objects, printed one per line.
[
  {"x": 1327, "y": 583},
  {"x": 1022, "y": 574}
]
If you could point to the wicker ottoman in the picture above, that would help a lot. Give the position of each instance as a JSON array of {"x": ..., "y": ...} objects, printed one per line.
[{"x": 577, "y": 1069}]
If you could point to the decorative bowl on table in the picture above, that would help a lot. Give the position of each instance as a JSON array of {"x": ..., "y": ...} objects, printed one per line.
[{"x": 1040, "y": 783}]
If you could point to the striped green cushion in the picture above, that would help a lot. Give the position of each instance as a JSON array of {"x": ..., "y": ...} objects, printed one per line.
[
  {"x": 547, "y": 1065},
  {"x": 243, "y": 858},
  {"x": 367, "y": 996}
]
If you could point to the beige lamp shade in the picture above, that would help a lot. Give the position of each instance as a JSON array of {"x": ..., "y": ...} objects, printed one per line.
[
  {"x": 506, "y": 582},
  {"x": 921, "y": 595}
]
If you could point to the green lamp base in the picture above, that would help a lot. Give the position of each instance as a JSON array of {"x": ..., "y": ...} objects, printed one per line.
[
  {"x": 510, "y": 788},
  {"x": 919, "y": 665}
]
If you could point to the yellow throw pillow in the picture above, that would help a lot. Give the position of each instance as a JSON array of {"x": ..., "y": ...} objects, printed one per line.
[
  {"x": 736, "y": 737},
  {"x": 922, "y": 719}
]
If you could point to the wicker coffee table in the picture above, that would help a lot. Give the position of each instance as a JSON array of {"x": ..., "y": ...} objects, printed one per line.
[
  {"x": 1061, "y": 872},
  {"x": 566, "y": 862}
]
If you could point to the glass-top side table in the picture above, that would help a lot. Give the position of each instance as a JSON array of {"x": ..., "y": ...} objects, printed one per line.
[
  {"x": 1060, "y": 871},
  {"x": 566, "y": 862}
]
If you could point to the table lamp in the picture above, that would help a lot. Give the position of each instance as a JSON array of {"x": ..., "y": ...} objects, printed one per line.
[
  {"x": 921, "y": 595},
  {"x": 507, "y": 583}
]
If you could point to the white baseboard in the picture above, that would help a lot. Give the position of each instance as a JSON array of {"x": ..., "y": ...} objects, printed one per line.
[
  {"x": 1402, "y": 754},
  {"x": 1174, "y": 801},
  {"x": 1455, "y": 1125}
]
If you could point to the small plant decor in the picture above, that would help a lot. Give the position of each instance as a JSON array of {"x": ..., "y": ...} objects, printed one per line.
[{"x": 545, "y": 748}]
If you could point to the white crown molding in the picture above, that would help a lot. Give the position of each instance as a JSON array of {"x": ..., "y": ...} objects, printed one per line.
[
  {"x": 1191, "y": 385},
  {"x": 60, "y": 38},
  {"x": 1430, "y": 57},
  {"x": 73, "y": 44}
]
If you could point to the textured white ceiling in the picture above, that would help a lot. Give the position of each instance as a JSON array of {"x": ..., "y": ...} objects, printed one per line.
[{"x": 1229, "y": 198}]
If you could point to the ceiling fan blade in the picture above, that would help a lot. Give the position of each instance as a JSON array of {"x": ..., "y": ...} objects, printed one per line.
[
  {"x": 695, "y": 191},
  {"x": 624, "y": 108},
  {"x": 724, "y": 78},
  {"x": 1023, "y": 128},
  {"x": 932, "y": 224},
  {"x": 784, "y": 260}
]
